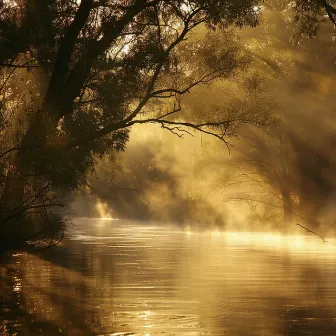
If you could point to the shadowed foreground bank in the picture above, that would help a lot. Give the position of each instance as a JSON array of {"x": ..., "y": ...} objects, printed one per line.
[{"x": 138, "y": 278}]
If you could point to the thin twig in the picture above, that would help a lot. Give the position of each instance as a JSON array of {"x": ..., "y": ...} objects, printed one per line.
[
  {"x": 48, "y": 246},
  {"x": 324, "y": 241}
]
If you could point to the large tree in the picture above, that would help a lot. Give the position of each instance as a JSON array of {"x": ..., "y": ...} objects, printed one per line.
[{"x": 77, "y": 74}]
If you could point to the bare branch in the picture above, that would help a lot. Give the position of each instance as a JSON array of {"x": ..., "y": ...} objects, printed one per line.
[
  {"x": 160, "y": 65},
  {"x": 172, "y": 91},
  {"x": 198, "y": 127},
  {"x": 308, "y": 230},
  {"x": 175, "y": 110}
]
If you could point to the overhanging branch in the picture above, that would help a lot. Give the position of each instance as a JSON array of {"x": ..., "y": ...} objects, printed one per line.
[{"x": 176, "y": 126}]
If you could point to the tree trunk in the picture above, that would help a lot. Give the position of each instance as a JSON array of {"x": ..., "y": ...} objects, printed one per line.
[
  {"x": 13, "y": 191},
  {"x": 34, "y": 139},
  {"x": 287, "y": 206},
  {"x": 314, "y": 187}
]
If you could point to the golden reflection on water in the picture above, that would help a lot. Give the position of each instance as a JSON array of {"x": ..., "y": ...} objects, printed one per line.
[{"x": 127, "y": 278}]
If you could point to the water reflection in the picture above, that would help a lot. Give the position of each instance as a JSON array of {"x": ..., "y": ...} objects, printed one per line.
[{"x": 126, "y": 278}]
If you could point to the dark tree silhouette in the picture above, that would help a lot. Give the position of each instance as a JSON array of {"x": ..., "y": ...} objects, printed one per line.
[{"x": 77, "y": 75}]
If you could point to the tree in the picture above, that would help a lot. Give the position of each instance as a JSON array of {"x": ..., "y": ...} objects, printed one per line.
[
  {"x": 306, "y": 76},
  {"x": 302, "y": 68},
  {"x": 86, "y": 72},
  {"x": 287, "y": 153}
]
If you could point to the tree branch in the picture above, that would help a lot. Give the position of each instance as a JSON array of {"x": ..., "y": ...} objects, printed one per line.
[
  {"x": 65, "y": 51},
  {"x": 111, "y": 31},
  {"x": 198, "y": 127},
  {"x": 308, "y": 230},
  {"x": 331, "y": 11}
]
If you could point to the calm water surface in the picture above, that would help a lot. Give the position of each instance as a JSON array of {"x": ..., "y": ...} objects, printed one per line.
[{"x": 129, "y": 278}]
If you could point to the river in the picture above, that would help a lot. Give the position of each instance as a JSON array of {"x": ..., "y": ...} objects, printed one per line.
[{"x": 114, "y": 277}]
